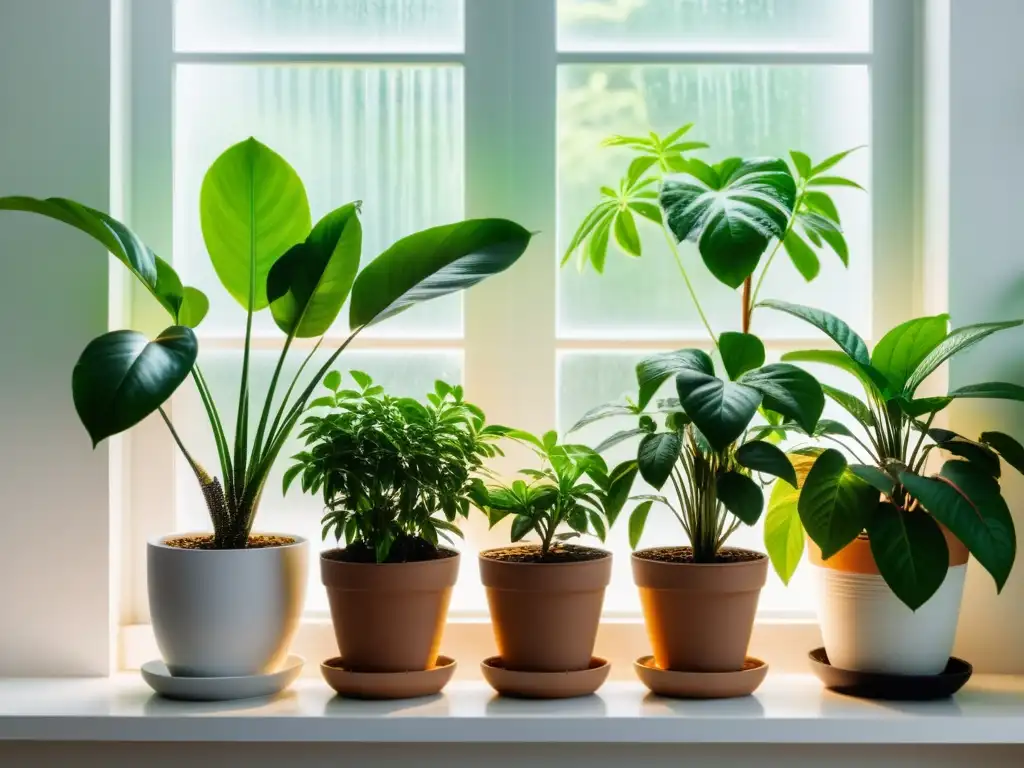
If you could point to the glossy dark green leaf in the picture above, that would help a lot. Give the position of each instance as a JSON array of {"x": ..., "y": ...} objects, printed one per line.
[
  {"x": 820, "y": 227},
  {"x": 802, "y": 255},
  {"x": 922, "y": 406},
  {"x": 721, "y": 410},
  {"x": 521, "y": 527},
  {"x": 1011, "y": 451},
  {"x": 978, "y": 454},
  {"x": 122, "y": 377},
  {"x": 902, "y": 349},
  {"x": 842, "y": 334},
  {"x": 910, "y": 551},
  {"x": 958, "y": 340},
  {"x": 741, "y": 352},
  {"x": 252, "y": 208},
  {"x": 872, "y": 380},
  {"x": 309, "y": 284},
  {"x": 967, "y": 500},
  {"x": 733, "y": 220},
  {"x": 657, "y": 455},
  {"x": 851, "y": 404},
  {"x": 874, "y": 477},
  {"x": 434, "y": 263},
  {"x": 790, "y": 391},
  {"x": 834, "y": 503},
  {"x": 621, "y": 482},
  {"x": 766, "y": 458},
  {"x": 741, "y": 496},
  {"x": 654, "y": 371},
  {"x": 993, "y": 390}
]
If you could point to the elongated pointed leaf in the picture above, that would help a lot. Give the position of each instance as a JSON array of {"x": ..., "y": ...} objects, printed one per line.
[
  {"x": 851, "y": 404},
  {"x": 654, "y": 371},
  {"x": 731, "y": 221},
  {"x": 834, "y": 181},
  {"x": 620, "y": 484},
  {"x": 766, "y": 458},
  {"x": 253, "y": 208},
  {"x": 309, "y": 284},
  {"x": 802, "y": 163},
  {"x": 657, "y": 455},
  {"x": 910, "y": 551},
  {"x": 625, "y": 233},
  {"x": 834, "y": 503},
  {"x": 433, "y": 263},
  {"x": 898, "y": 354},
  {"x": 990, "y": 390},
  {"x": 122, "y": 377},
  {"x": 842, "y": 334},
  {"x": 601, "y": 412},
  {"x": 194, "y": 307},
  {"x": 966, "y": 500},
  {"x": 802, "y": 255},
  {"x": 783, "y": 531},
  {"x": 872, "y": 380},
  {"x": 741, "y": 352},
  {"x": 741, "y": 496},
  {"x": 831, "y": 162},
  {"x": 620, "y": 437},
  {"x": 874, "y": 477},
  {"x": 637, "y": 521},
  {"x": 790, "y": 391},
  {"x": 819, "y": 227},
  {"x": 603, "y": 212},
  {"x": 958, "y": 340},
  {"x": 721, "y": 410},
  {"x": 1011, "y": 451}
]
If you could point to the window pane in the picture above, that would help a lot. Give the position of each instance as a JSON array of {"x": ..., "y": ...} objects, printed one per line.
[
  {"x": 326, "y": 26},
  {"x": 716, "y": 25},
  {"x": 739, "y": 110},
  {"x": 402, "y": 373},
  {"x": 389, "y": 136}
]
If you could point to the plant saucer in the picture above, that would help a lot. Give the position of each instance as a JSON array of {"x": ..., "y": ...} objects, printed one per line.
[
  {"x": 878, "y": 685},
  {"x": 159, "y": 678},
  {"x": 701, "y": 685},
  {"x": 545, "y": 685},
  {"x": 387, "y": 685}
]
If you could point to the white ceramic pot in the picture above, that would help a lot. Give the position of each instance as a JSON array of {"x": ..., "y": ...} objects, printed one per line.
[
  {"x": 866, "y": 628},
  {"x": 226, "y": 613}
]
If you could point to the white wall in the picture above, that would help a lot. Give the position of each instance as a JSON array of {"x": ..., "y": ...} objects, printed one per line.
[{"x": 54, "y": 499}]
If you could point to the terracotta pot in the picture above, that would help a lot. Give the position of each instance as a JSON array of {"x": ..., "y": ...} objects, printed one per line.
[
  {"x": 389, "y": 617},
  {"x": 865, "y": 626},
  {"x": 699, "y": 617},
  {"x": 545, "y": 615}
]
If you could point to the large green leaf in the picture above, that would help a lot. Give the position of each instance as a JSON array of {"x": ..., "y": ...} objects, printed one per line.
[
  {"x": 654, "y": 371},
  {"x": 834, "y": 504},
  {"x": 122, "y": 377},
  {"x": 903, "y": 348},
  {"x": 252, "y": 208},
  {"x": 732, "y": 211},
  {"x": 657, "y": 455},
  {"x": 910, "y": 551},
  {"x": 433, "y": 263},
  {"x": 620, "y": 483},
  {"x": 783, "y": 532},
  {"x": 872, "y": 381},
  {"x": 741, "y": 496},
  {"x": 802, "y": 255},
  {"x": 1011, "y": 451},
  {"x": 790, "y": 391},
  {"x": 721, "y": 410},
  {"x": 994, "y": 390},
  {"x": 842, "y": 334},
  {"x": 958, "y": 340},
  {"x": 741, "y": 352},
  {"x": 309, "y": 284},
  {"x": 851, "y": 404},
  {"x": 966, "y": 499},
  {"x": 766, "y": 458}
]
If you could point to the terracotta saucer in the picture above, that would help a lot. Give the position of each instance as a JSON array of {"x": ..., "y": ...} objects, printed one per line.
[
  {"x": 387, "y": 685},
  {"x": 876, "y": 685},
  {"x": 545, "y": 685},
  {"x": 701, "y": 685}
]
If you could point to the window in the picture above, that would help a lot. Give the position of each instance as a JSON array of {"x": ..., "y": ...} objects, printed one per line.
[{"x": 433, "y": 110}]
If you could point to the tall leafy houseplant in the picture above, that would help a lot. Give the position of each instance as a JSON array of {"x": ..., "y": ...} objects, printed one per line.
[
  {"x": 268, "y": 255},
  {"x": 740, "y": 213}
]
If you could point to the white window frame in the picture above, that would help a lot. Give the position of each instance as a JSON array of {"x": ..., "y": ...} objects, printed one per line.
[{"x": 511, "y": 169}]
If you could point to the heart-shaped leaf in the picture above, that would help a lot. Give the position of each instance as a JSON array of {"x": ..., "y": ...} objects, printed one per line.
[
  {"x": 958, "y": 340},
  {"x": 910, "y": 551},
  {"x": 766, "y": 458},
  {"x": 741, "y": 496},
  {"x": 122, "y": 377},
  {"x": 790, "y": 391},
  {"x": 657, "y": 455},
  {"x": 654, "y": 371},
  {"x": 834, "y": 503},
  {"x": 732, "y": 211},
  {"x": 721, "y": 410},
  {"x": 252, "y": 208},
  {"x": 741, "y": 352},
  {"x": 434, "y": 263},
  {"x": 309, "y": 284}
]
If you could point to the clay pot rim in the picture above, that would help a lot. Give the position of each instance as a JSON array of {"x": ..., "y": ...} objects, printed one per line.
[
  {"x": 456, "y": 556},
  {"x": 634, "y": 556},
  {"x": 605, "y": 555},
  {"x": 160, "y": 542}
]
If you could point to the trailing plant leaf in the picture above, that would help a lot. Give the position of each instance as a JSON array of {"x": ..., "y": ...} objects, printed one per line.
[{"x": 910, "y": 551}]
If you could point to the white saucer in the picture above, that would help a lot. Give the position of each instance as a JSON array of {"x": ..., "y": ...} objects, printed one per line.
[{"x": 158, "y": 678}]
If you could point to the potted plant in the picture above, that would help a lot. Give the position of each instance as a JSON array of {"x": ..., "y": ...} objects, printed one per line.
[
  {"x": 699, "y": 601},
  {"x": 395, "y": 475},
  {"x": 889, "y": 540},
  {"x": 228, "y": 603},
  {"x": 545, "y": 598}
]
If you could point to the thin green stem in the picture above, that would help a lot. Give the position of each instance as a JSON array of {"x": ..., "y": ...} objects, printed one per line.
[
  {"x": 771, "y": 257},
  {"x": 288, "y": 394},
  {"x": 242, "y": 420},
  {"x": 200, "y": 472},
  {"x": 219, "y": 438},
  {"x": 257, "y": 445},
  {"x": 689, "y": 285},
  {"x": 920, "y": 440}
]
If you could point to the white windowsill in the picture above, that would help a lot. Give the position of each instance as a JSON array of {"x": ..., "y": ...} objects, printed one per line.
[{"x": 788, "y": 709}]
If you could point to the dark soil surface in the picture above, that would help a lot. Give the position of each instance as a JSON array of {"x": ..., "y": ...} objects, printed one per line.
[
  {"x": 685, "y": 555},
  {"x": 530, "y": 553},
  {"x": 206, "y": 542},
  {"x": 408, "y": 550}
]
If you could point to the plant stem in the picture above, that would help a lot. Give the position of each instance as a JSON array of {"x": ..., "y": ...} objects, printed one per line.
[
  {"x": 257, "y": 445},
  {"x": 747, "y": 309},
  {"x": 288, "y": 394},
  {"x": 760, "y": 280},
  {"x": 689, "y": 285},
  {"x": 219, "y": 438}
]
